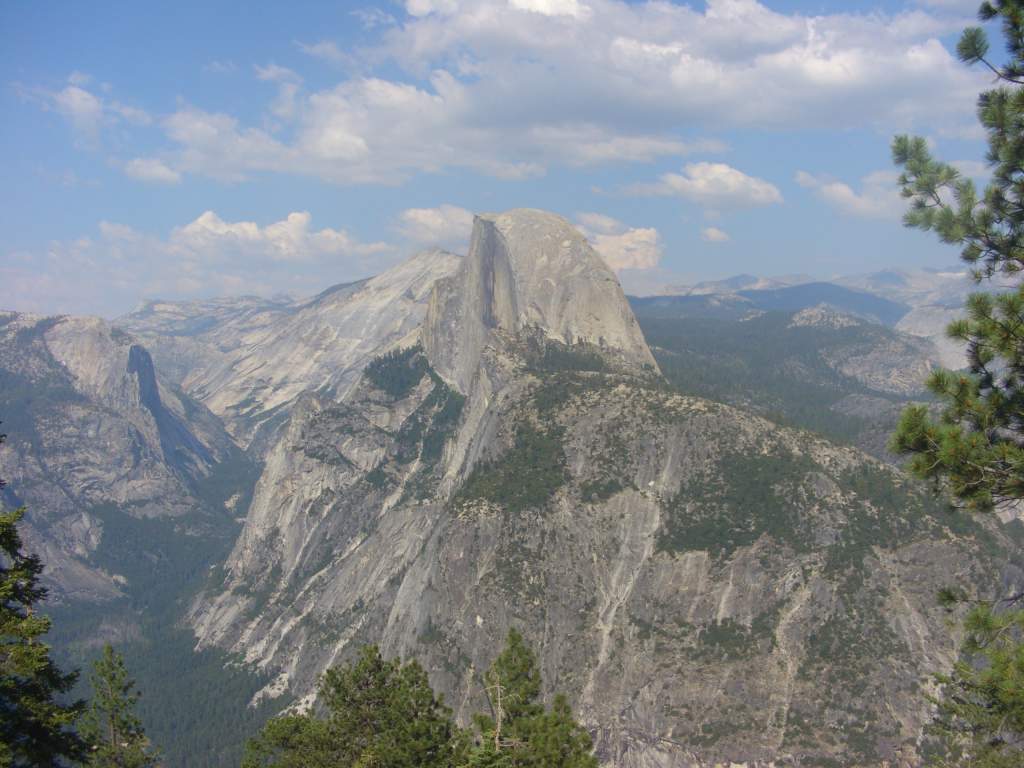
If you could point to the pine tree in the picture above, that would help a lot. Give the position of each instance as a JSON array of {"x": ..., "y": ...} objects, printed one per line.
[
  {"x": 519, "y": 733},
  {"x": 976, "y": 446},
  {"x": 35, "y": 726},
  {"x": 379, "y": 714},
  {"x": 111, "y": 728}
]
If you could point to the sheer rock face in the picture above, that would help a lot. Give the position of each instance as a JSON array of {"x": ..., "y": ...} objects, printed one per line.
[
  {"x": 528, "y": 269},
  {"x": 707, "y": 586},
  {"x": 250, "y": 365},
  {"x": 91, "y": 426}
]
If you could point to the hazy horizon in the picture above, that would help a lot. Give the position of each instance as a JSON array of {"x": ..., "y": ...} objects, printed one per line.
[{"x": 193, "y": 152}]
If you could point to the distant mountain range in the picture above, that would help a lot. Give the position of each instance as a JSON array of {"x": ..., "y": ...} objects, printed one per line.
[{"x": 920, "y": 302}]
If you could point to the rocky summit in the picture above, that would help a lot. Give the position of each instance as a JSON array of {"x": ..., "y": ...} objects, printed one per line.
[{"x": 709, "y": 587}]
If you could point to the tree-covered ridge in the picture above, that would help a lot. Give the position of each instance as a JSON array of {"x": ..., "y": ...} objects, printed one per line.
[
  {"x": 525, "y": 476},
  {"x": 790, "y": 374}
]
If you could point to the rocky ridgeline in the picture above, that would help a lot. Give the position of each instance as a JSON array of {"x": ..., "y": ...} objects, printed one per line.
[
  {"x": 707, "y": 586},
  {"x": 249, "y": 360}
]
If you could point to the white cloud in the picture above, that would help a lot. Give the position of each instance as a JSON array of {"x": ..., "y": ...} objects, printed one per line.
[
  {"x": 552, "y": 7},
  {"x": 83, "y": 109},
  {"x": 87, "y": 112},
  {"x": 620, "y": 246},
  {"x": 276, "y": 74},
  {"x": 446, "y": 226},
  {"x": 879, "y": 197},
  {"x": 513, "y": 88},
  {"x": 713, "y": 185},
  {"x": 151, "y": 169},
  {"x": 112, "y": 271},
  {"x": 714, "y": 235},
  {"x": 290, "y": 239}
]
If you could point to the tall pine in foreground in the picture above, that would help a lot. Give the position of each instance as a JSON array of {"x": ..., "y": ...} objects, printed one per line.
[
  {"x": 976, "y": 446},
  {"x": 111, "y": 729},
  {"x": 519, "y": 733},
  {"x": 36, "y": 727},
  {"x": 378, "y": 714}
]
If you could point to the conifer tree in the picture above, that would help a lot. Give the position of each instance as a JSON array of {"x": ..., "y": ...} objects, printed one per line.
[
  {"x": 36, "y": 727},
  {"x": 519, "y": 733},
  {"x": 110, "y": 728},
  {"x": 379, "y": 714},
  {"x": 976, "y": 446}
]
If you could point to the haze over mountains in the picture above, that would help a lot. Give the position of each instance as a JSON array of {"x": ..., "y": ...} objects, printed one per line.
[{"x": 683, "y": 501}]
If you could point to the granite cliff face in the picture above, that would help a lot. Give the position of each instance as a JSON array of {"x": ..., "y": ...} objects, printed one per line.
[
  {"x": 706, "y": 585},
  {"x": 249, "y": 361},
  {"x": 528, "y": 270},
  {"x": 92, "y": 428}
]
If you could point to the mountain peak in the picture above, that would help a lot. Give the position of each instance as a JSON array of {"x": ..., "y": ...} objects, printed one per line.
[{"x": 528, "y": 269}]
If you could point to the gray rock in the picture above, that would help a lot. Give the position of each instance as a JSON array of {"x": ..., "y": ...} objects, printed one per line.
[
  {"x": 708, "y": 587},
  {"x": 90, "y": 427}
]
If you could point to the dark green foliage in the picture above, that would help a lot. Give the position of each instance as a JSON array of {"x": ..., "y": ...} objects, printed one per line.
[
  {"x": 976, "y": 446},
  {"x": 398, "y": 372},
  {"x": 196, "y": 708},
  {"x": 735, "y": 502},
  {"x": 526, "y": 476},
  {"x": 981, "y": 714},
  {"x": 378, "y": 713},
  {"x": 110, "y": 727},
  {"x": 383, "y": 714},
  {"x": 547, "y": 356},
  {"x": 36, "y": 726},
  {"x": 519, "y": 733}
]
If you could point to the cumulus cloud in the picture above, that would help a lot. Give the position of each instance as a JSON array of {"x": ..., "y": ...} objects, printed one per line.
[
  {"x": 713, "y": 185},
  {"x": 620, "y": 246},
  {"x": 512, "y": 89},
  {"x": 447, "y": 226},
  {"x": 111, "y": 271},
  {"x": 878, "y": 198},
  {"x": 87, "y": 112},
  {"x": 151, "y": 169},
  {"x": 714, "y": 235}
]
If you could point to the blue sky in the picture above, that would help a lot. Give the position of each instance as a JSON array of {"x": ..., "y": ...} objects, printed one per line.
[{"x": 188, "y": 150}]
